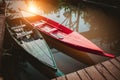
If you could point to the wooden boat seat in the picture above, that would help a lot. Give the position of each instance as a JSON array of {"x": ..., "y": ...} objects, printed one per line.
[
  {"x": 17, "y": 27},
  {"x": 22, "y": 34},
  {"x": 57, "y": 36},
  {"x": 40, "y": 23},
  {"x": 18, "y": 30},
  {"x": 52, "y": 30}
]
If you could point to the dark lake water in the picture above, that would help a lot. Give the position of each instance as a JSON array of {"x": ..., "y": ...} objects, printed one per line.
[{"x": 100, "y": 25}]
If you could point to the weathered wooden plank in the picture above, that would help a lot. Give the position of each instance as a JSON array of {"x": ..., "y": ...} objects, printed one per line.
[
  {"x": 118, "y": 58},
  {"x": 61, "y": 78},
  {"x": 104, "y": 72},
  {"x": 94, "y": 74},
  {"x": 83, "y": 75},
  {"x": 116, "y": 63},
  {"x": 73, "y": 76},
  {"x": 112, "y": 69}
]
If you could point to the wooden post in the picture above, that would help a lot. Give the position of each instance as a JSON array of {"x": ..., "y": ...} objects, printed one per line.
[{"x": 2, "y": 28}]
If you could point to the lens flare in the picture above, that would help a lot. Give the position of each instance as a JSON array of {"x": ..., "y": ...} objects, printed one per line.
[{"x": 32, "y": 8}]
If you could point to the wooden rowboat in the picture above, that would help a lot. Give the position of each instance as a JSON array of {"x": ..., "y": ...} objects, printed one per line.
[
  {"x": 29, "y": 40},
  {"x": 60, "y": 36}
]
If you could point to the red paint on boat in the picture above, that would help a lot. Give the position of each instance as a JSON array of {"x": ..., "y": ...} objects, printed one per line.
[{"x": 66, "y": 36}]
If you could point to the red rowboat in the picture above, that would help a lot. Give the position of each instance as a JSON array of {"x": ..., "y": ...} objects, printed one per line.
[{"x": 62, "y": 34}]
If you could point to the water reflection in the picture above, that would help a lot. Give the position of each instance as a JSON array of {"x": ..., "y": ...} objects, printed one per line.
[
  {"x": 76, "y": 22},
  {"x": 104, "y": 29},
  {"x": 16, "y": 67}
]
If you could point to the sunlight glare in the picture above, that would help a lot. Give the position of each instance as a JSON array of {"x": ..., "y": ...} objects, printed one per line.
[{"x": 32, "y": 8}]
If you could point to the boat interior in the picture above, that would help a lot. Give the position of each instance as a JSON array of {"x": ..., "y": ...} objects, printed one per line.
[
  {"x": 31, "y": 41},
  {"x": 54, "y": 31},
  {"x": 49, "y": 26},
  {"x": 23, "y": 32}
]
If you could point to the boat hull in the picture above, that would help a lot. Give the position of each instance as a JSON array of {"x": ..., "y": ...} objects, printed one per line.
[
  {"x": 74, "y": 53},
  {"x": 20, "y": 51}
]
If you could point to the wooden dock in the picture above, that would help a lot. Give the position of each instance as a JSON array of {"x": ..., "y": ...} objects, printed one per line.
[{"x": 108, "y": 70}]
